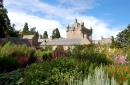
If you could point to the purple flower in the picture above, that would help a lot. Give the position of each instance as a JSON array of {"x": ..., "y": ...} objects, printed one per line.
[{"x": 121, "y": 59}]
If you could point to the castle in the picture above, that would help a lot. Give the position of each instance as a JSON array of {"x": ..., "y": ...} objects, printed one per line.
[{"x": 78, "y": 34}]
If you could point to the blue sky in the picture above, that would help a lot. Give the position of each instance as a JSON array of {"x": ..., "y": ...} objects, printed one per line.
[{"x": 107, "y": 17}]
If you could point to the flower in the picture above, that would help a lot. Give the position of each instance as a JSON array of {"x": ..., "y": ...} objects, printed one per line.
[{"x": 121, "y": 59}]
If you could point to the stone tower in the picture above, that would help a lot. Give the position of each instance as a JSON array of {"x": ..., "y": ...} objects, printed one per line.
[
  {"x": 1, "y": 4},
  {"x": 78, "y": 30}
]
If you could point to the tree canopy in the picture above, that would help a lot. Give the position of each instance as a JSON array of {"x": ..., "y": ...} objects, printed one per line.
[
  {"x": 45, "y": 35},
  {"x": 122, "y": 39},
  {"x": 26, "y": 30},
  {"x": 56, "y": 33},
  {"x": 5, "y": 25}
]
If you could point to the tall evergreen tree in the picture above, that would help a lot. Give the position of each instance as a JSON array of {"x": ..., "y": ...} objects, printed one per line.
[
  {"x": 5, "y": 26},
  {"x": 45, "y": 35},
  {"x": 25, "y": 29},
  {"x": 56, "y": 33},
  {"x": 4, "y": 21}
]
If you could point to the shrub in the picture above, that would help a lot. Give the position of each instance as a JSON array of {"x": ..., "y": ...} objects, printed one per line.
[
  {"x": 8, "y": 64},
  {"x": 37, "y": 56},
  {"x": 92, "y": 53},
  {"x": 43, "y": 55},
  {"x": 59, "y": 54},
  {"x": 97, "y": 78},
  {"x": 56, "y": 72},
  {"x": 49, "y": 55},
  {"x": 23, "y": 60},
  {"x": 8, "y": 44},
  {"x": 120, "y": 59},
  {"x": 46, "y": 55},
  {"x": 121, "y": 73},
  {"x": 12, "y": 78}
]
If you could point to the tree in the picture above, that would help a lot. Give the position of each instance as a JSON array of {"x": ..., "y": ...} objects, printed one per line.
[
  {"x": 45, "y": 35},
  {"x": 13, "y": 32},
  {"x": 5, "y": 25},
  {"x": 25, "y": 29},
  {"x": 40, "y": 36},
  {"x": 56, "y": 33},
  {"x": 123, "y": 38},
  {"x": 33, "y": 31}
]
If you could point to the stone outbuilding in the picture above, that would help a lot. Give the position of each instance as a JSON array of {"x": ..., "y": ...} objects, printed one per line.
[{"x": 32, "y": 39}]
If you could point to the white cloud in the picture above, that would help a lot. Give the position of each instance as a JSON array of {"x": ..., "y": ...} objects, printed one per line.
[
  {"x": 33, "y": 21},
  {"x": 56, "y": 16},
  {"x": 100, "y": 28}
]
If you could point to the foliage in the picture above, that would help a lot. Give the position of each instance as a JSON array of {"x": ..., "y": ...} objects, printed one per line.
[
  {"x": 25, "y": 30},
  {"x": 8, "y": 64},
  {"x": 121, "y": 73},
  {"x": 92, "y": 53},
  {"x": 20, "y": 55},
  {"x": 23, "y": 60},
  {"x": 123, "y": 38},
  {"x": 12, "y": 78},
  {"x": 59, "y": 51},
  {"x": 56, "y": 72},
  {"x": 97, "y": 78},
  {"x": 45, "y": 35},
  {"x": 5, "y": 26},
  {"x": 33, "y": 31},
  {"x": 37, "y": 56},
  {"x": 121, "y": 59},
  {"x": 46, "y": 55},
  {"x": 56, "y": 33}
]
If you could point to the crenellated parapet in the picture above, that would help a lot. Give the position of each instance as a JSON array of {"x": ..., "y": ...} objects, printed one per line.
[{"x": 78, "y": 30}]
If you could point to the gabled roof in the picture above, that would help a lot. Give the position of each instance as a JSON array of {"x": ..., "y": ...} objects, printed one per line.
[
  {"x": 62, "y": 42},
  {"x": 28, "y": 36}
]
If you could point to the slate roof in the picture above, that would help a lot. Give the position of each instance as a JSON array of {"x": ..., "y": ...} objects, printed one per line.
[
  {"x": 16, "y": 41},
  {"x": 62, "y": 42},
  {"x": 28, "y": 36}
]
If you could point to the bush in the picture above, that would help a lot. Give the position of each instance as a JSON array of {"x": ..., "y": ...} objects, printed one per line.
[
  {"x": 121, "y": 73},
  {"x": 43, "y": 55},
  {"x": 92, "y": 53},
  {"x": 8, "y": 64},
  {"x": 121, "y": 59},
  {"x": 97, "y": 78},
  {"x": 23, "y": 60},
  {"x": 49, "y": 55},
  {"x": 37, "y": 56},
  {"x": 12, "y": 78},
  {"x": 56, "y": 72}
]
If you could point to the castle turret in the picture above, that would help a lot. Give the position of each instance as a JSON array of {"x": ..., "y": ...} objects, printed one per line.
[{"x": 67, "y": 28}]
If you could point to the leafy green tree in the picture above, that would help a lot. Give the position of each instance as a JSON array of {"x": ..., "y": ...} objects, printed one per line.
[
  {"x": 45, "y": 35},
  {"x": 56, "y": 33},
  {"x": 123, "y": 38}
]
